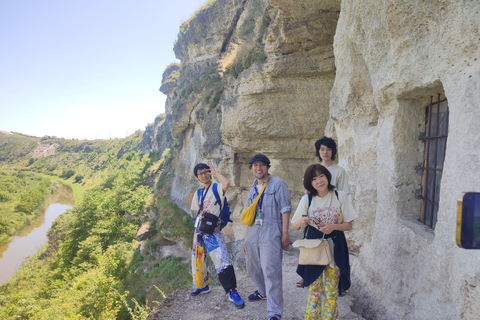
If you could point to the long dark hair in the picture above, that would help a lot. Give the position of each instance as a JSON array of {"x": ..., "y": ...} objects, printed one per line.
[{"x": 314, "y": 171}]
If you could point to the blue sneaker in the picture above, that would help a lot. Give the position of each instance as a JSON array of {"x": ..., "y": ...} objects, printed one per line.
[
  {"x": 235, "y": 298},
  {"x": 196, "y": 292}
]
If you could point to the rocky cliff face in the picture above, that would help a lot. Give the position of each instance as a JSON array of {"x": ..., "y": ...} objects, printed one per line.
[
  {"x": 271, "y": 96},
  {"x": 362, "y": 72},
  {"x": 391, "y": 57}
]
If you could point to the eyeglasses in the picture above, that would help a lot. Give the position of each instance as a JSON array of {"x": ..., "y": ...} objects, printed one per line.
[{"x": 203, "y": 173}]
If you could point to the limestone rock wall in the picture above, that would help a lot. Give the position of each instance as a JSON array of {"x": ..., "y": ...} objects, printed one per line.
[
  {"x": 362, "y": 72},
  {"x": 391, "y": 57},
  {"x": 278, "y": 107},
  {"x": 207, "y": 33}
]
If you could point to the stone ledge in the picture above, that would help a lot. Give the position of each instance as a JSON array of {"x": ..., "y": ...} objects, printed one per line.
[{"x": 419, "y": 228}]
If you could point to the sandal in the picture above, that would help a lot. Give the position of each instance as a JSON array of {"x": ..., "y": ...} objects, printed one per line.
[{"x": 300, "y": 284}]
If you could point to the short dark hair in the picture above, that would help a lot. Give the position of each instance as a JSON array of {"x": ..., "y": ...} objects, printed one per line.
[
  {"x": 314, "y": 171},
  {"x": 329, "y": 143},
  {"x": 200, "y": 166}
]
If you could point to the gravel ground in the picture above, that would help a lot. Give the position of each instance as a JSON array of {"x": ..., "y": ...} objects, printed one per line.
[{"x": 215, "y": 305}]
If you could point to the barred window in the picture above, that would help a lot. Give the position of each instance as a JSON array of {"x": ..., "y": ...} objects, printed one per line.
[{"x": 435, "y": 140}]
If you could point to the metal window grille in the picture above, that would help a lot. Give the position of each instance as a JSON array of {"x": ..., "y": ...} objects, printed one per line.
[{"x": 435, "y": 139}]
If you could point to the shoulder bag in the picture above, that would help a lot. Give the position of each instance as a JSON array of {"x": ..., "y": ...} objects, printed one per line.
[
  {"x": 248, "y": 216},
  {"x": 313, "y": 251},
  {"x": 208, "y": 222}
]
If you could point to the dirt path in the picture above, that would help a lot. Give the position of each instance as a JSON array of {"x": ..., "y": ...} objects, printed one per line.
[{"x": 180, "y": 305}]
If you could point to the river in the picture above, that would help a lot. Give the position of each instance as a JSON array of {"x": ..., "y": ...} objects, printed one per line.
[{"x": 28, "y": 241}]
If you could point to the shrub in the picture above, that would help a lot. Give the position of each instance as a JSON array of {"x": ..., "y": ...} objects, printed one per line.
[
  {"x": 173, "y": 273},
  {"x": 130, "y": 156},
  {"x": 4, "y": 197},
  {"x": 67, "y": 173},
  {"x": 153, "y": 245},
  {"x": 246, "y": 57},
  {"x": 109, "y": 181},
  {"x": 172, "y": 224},
  {"x": 161, "y": 180},
  {"x": 31, "y": 200}
]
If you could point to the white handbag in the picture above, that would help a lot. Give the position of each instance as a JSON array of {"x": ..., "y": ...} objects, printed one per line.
[{"x": 313, "y": 252}]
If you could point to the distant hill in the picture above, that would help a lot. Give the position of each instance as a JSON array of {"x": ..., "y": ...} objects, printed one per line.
[
  {"x": 80, "y": 161},
  {"x": 15, "y": 146}
]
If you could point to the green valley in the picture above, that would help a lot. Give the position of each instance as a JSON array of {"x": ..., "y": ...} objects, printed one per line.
[{"x": 92, "y": 266}]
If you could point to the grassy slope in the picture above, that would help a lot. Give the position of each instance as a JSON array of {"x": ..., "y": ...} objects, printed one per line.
[
  {"x": 92, "y": 267},
  {"x": 15, "y": 147},
  {"x": 22, "y": 173}
]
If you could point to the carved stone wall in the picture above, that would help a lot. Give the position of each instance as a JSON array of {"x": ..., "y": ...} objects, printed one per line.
[{"x": 391, "y": 57}]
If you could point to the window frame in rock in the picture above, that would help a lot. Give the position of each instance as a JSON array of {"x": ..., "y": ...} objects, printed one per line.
[{"x": 435, "y": 145}]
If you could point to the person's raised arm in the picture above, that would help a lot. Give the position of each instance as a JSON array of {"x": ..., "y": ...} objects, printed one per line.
[{"x": 224, "y": 181}]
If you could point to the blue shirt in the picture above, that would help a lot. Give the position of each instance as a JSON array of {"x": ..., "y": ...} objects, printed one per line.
[{"x": 276, "y": 199}]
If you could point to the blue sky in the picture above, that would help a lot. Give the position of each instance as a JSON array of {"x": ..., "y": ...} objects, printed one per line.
[{"x": 85, "y": 69}]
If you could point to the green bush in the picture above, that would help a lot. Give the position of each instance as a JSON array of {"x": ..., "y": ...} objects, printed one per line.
[
  {"x": 174, "y": 224},
  {"x": 78, "y": 178},
  {"x": 153, "y": 245},
  {"x": 31, "y": 200},
  {"x": 4, "y": 197},
  {"x": 174, "y": 273},
  {"x": 109, "y": 181},
  {"x": 67, "y": 173},
  {"x": 3, "y": 226}
]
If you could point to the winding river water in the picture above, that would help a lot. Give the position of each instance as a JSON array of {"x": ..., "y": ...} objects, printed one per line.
[{"x": 29, "y": 240}]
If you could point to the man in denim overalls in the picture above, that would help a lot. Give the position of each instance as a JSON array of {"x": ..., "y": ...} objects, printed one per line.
[{"x": 268, "y": 236}]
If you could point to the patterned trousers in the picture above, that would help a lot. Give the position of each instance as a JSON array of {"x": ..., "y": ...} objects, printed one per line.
[
  {"x": 213, "y": 246},
  {"x": 324, "y": 292}
]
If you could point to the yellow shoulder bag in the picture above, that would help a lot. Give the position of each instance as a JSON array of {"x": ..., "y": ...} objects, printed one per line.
[{"x": 248, "y": 216}]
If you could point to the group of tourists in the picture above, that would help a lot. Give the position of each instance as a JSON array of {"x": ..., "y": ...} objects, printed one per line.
[{"x": 325, "y": 211}]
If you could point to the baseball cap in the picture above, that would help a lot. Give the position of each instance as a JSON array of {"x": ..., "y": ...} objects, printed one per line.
[{"x": 260, "y": 158}]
